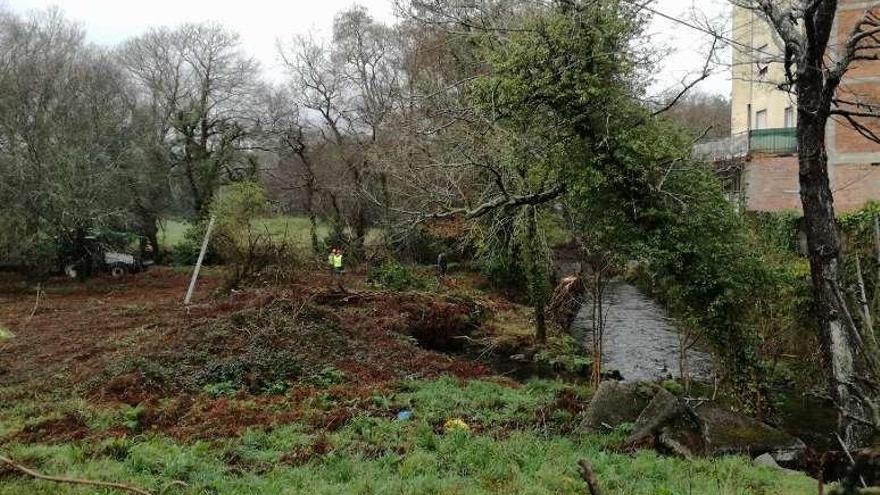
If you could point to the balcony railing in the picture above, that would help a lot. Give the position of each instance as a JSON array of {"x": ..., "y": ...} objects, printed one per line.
[
  {"x": 771, "y": 141},
  {"x": 781, "y": 141}
]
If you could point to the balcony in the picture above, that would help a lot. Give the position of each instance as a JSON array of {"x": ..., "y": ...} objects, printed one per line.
[{"x": 781, "y": 141}]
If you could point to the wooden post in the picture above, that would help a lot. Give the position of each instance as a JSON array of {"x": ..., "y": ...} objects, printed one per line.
[{"x": 195, "y": 276}]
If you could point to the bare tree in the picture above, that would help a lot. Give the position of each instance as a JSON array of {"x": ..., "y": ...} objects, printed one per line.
[
  {"x": 293, "y": 139},
  {"x": 704, "y": 114},
  {"x": 199, "y": 88},
  {"x": 155, "y": 69},
  {"x": 352, "y": 88}
]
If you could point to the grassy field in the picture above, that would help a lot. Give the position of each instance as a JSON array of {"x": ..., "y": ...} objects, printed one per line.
[
  {"x": 296, "y": 228},
  {"x": 505, "y": 452}
]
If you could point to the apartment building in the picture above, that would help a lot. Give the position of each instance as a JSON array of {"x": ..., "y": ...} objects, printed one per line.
[{"x": 760, "y": 157}]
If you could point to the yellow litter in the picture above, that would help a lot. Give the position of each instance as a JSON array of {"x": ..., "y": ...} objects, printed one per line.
[{"x": 455, "y": 424}]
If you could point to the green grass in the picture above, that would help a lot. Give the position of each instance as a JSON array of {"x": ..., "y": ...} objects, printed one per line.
[
  {"x": 509, "y": 451},
  {"x": 5, "y": 334},
  {"x": 296, "y": 228},
  {"x": 171, "y": 232}
]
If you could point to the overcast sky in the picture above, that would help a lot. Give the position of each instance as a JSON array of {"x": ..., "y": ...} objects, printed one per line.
[{"x": 261, "y": 22}]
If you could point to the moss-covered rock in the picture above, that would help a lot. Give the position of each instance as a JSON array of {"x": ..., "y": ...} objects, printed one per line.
[
  {"x": 670, "y": 425},
  {"x": 615, "y": 403},
  {"x": 732, "y": 433}
]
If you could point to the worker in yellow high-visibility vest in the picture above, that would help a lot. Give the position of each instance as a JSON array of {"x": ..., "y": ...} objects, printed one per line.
[{"x": 335, "y": 261}]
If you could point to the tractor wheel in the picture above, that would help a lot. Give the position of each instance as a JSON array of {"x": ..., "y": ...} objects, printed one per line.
[
  {"x": 118, "y": 270},
  {"x": 70, "y": 270}
]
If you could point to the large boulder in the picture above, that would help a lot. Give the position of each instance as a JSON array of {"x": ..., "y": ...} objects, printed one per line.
[
  {"x": 616, "y": 403},
  {"x": 728, "y": 432},
  {"x": 668, "y": 425}
]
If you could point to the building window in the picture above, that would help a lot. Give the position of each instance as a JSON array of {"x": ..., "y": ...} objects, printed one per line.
[
  {"x": 789, "y": 117},
  {"x": 761, "y": 119}
]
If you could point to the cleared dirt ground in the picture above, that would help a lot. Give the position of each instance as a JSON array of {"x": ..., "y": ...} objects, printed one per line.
[{"x": 133, "y": 342}]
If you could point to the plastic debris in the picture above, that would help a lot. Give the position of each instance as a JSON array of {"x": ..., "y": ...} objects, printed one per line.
[
  {"x": 455, "y": 424},
  {"x": 404, "y": 415}
]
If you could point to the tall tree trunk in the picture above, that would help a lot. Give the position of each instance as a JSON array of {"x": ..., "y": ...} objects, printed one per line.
[
  {"x": 337, "y": 233},
  {"x": 149, "y": 231},
  {"x": 311, "y": 192},
  {"x": 360, "y": 216},
  {"x": 386, "y": 212},
  {"x": 863, "y": 303},
  {"x": 82, "y": 255},
  {"x": 839, "y": 336},
  {"x": 540, "y": 322},
  {"x": 197, "y": 200},
  {"x": 537, "y": 277},
  {"x": 360, "y": 231},
  {"x": 313, "y": 217},
  {"x": 313, "y": 232},
  {"x": 598, "y": 320}
]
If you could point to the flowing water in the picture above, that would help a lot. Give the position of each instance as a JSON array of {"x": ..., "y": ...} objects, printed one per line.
[
  {"x": 640, "y": 341},
  {"x": 642, "y": 344}
]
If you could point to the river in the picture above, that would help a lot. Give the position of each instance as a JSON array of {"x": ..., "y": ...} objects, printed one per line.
[{"x": 640, "y": 341}]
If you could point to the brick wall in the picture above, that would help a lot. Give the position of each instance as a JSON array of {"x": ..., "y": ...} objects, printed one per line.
[
  {"x": 771, "y": 183},
  {"x": 859, "y": 85},
  {"x": 854, "y": 184}
]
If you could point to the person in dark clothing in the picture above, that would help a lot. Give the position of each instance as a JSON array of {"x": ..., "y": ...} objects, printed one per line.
[{"x": 442, "y": 265}]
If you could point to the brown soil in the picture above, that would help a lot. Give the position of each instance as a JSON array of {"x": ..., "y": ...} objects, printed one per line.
[
  {"x": 73, "y": 330},
  {"x": 69, "y": 342},
  {"x": 69, "y": 427}
]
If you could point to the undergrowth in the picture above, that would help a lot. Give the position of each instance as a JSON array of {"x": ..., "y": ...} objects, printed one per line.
[
  {"x": 259, "y": 350},
  {"x": 395, "y": 276}
]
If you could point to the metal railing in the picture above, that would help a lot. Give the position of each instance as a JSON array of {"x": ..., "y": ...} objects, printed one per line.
[
  {"x": 771, "y": 141},
  {"x": 781, "y": 141},
  {"x": 735, "y": 146}
]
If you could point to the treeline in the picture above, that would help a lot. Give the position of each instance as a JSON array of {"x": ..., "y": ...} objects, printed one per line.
[
  {"x": 94, "y": 138},
  {"x": 374, "y": 124}
]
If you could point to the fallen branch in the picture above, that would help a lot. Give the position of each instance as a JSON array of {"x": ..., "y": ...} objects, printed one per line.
[
  {"x": 589, "y": 476},
  {"x": 75, "y": 481},
  {"x": 851, "y": 460},
  {"x": 36, "y": 303}
]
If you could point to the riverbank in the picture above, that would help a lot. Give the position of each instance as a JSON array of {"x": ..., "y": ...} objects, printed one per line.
[{"x": 116, "y": 381}]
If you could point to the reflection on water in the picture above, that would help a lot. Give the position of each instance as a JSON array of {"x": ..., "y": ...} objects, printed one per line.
[{"x": 640, "y": 341}]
